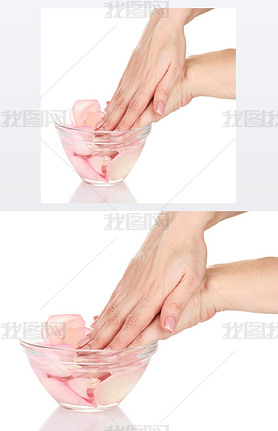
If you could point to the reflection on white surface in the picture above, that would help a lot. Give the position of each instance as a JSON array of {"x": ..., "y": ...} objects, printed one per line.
[
  {"x": 63, "y": 419},
  {"x": 86, "y": 193}
]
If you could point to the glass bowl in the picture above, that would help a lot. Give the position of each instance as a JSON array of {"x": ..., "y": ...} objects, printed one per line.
[
  {"x": 88, "y": 380},
  {"x": 99, "y": 157}
]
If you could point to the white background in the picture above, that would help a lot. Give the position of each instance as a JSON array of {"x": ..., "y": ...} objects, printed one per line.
[
  {"x": 179, "y": 147},
  {"x": 43, "y": 251}
]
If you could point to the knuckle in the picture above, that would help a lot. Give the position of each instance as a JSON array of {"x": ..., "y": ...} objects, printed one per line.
[
  {"x": 114, "y": 319},
  {"x": 110, "y": 309},
  {"x": 176, "y": 305},
  {"x": 133, "y": 321},
  {"x": 134, "y": 105},
  {"x": 164, "y": 92},
  {"x": 121, "y": 104},
  {"x": 120, "y": 101}
]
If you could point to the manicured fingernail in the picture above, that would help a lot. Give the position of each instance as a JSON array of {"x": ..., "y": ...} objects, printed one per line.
[
  {"x": 84, "y": 340},
  {"x": 170, "y": 324},
  {"x": 100, "y": 123},
  {"x": 160, "y": 108}
]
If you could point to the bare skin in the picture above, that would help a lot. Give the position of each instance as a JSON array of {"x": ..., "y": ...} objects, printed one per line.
[
  {"x": 160, "y": 280},
  {"x": 153, "y": 70},
  {"x": 250, "y": 285}
]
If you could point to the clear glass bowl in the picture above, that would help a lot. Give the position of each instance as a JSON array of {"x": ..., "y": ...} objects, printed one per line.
[
  {"x": 88, "y": 380},
  {"x": 100, "y": 157}
]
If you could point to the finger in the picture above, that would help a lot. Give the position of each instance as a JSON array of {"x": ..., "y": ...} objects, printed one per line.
[
  {"x": 136, "y": 106},
  {"x": 176, "y": 302},
  {"x": 94, "y": 322},
  {"x": 122, "y": 86},
  {"x": 109, "y": 310},
  {"x": 137, "y": 320},
  {"x": 146, "y": 117},
  {"x": 117, "y": 108},
  {"x": 164, "y": 89},
  {"x": 100, "y": 339},
  {"x": 152, "y": 333}
]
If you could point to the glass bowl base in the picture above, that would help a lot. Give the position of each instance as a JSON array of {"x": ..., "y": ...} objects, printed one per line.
[
  {"x": 87, "y": 409},
  {"x": 102, "y": 183}
]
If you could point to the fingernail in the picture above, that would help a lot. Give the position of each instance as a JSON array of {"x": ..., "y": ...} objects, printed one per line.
[
  {"x": 170, "y": 324},
  {"x": 160, "y": 108},
  {"x": 100, "y": 123},
  {"x": 84, "y": 340}
]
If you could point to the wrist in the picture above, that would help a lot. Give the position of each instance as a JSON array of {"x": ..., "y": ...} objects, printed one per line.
[
  {"x": 218, "y": 288},
  {"x": 172, "y": 17}
]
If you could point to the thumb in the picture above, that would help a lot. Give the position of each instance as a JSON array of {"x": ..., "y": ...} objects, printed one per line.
[
  {"x": 164, "y": 89},
  {"x": 151, "y": 333},
  {"x": 175, "y": 304}
]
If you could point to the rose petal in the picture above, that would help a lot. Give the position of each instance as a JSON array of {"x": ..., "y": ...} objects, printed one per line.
[
  {"x": 61, "y": 393},
  {"x": 99, "y": 163},
  {"x": 83, "y": 386},
  {"x": 64, "y": 328},
  {"x": 86, "y": 113},
  {"x": 114, "y": 389},
  {"x": 122, "y": 164},
  {"x": 83, "y": 169}
]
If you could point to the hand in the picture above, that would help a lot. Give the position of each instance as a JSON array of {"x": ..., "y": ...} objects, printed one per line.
[
  {"x": 241, "y": 286},
  {"x": 163, "y": 276},
  {"x": 152, "y": 72},
  {"x": 211, "y": 74},
  {"x": 199, "y": 309}
]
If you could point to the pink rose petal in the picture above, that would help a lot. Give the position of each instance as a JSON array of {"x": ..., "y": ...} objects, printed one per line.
[
  {"x": 64, "y": 328},
  {"x": 99, "y": 163},
  {"x": 86, "y": 113},
  {"x": 114, "y": 389},
  {"x": 83, "y": 169},
  {"x": 83, "y": 386},
  {"x": 122, "y": 164},
  {"x": 61, "y": 393}
]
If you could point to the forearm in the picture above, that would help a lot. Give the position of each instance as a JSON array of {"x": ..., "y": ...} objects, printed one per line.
[
  {"x": 250, "y": 285},
  {"x": 212, "y": 74},
  {"x": 177, "y": 225},
  {"x": 199, "y": 220},
  {"x": 177, "y": 16}
]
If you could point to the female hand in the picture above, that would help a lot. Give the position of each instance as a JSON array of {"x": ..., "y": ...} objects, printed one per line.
[
  {"x": 212, "y": 74},
  {"x": 168, "y": 269},
  {"x": 241, "y": 286},
  {"x": 152, "y": 72}
]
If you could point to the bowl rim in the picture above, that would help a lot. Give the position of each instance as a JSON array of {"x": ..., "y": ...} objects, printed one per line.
[
  {"x": 146, "y": 128},
  {"x": 153, "y": 344}
]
